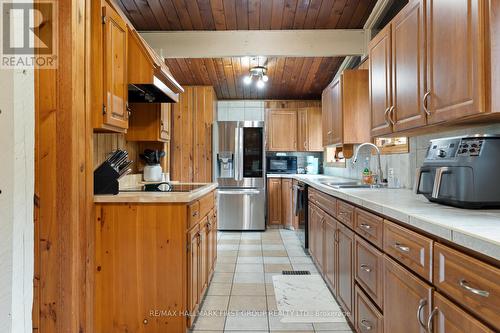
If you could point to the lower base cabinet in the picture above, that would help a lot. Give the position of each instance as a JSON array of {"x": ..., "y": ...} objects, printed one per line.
[
  {"x": 368, "y": 318},
  {"x": 153, "y": 262},
  {"x": 345, "y": 281},
  {"x": 407, "y": 300}
]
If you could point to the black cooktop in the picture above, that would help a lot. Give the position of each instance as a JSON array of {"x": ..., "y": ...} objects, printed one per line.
[{"x": 164, "y": 187}]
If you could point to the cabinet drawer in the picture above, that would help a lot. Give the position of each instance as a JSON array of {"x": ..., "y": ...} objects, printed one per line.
[
  {"x": 367, "y": 318},
  {"x": 345, "y": 213},
  {"x": 368, "y": 269},
  {"x": 193, "y": 213},
  {"x": 369, "y": 226},
  {"x": 409, "y": 248},
  {"x": 323, "y": 201},
  {"x": 470, "y": 282},
  {"x": 206, "y": 204}
]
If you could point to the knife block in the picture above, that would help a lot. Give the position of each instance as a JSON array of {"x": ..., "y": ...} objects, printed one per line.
[{"x": 106, "y": 179}]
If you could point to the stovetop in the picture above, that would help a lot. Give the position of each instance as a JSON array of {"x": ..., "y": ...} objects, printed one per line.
[{"x": 163, "y": 187}]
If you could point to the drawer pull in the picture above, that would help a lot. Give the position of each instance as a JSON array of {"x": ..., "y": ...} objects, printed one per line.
[
  {"x": 402, "y": 247},
  {"x": 195, "y": 213},
  {"x": 465, "y": 285},
  {"x": 429, "y": 321},
  {"x": 421, "y": 305},
  {"x": 365, "y": 226},
  {"x": 367, "y": 325},
  {"x": 343, "y": 213},
  {"x": 366, "y": 268}
]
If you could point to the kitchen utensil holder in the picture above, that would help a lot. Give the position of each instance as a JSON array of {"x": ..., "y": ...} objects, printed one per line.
[{"x": 106, "y": 179}]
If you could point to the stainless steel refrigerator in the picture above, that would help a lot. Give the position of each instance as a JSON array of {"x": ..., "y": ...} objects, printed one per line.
[{"x": 240, "y": 172}]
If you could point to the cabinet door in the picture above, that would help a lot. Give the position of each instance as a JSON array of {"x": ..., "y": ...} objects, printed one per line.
[
  {"x": 408, "y": 69},
  {"x": 282, "y": 130},
  {"x": 330, "y": 253},
  {"x": 286, "y": 203},
  {"x": 406, "y": 298},
  {"x": 199, "y": 132},
  {"x": 448, "y": 317},
  {"x": 319, "y": 238},
  {"x": 326, "y": 114},
  {"x": 336, "y": 126},
  {"x": 302, "y": 130},
  {"x": 311, "y": 220},
  {"x": 213, "y": 241},
  {"x": 274, "y": 201},
  {"x": 204, "y": 256},
  {"x": 165, "y": 112},
  {"x": 193, "y": 268},
  {"x": 455, "y": 64},
  {"x": 314, "y": 130},
  {"x": 114, "y": 69},
  {"x": 379, "y": 51},
  {"x": 345, "y": 283}
]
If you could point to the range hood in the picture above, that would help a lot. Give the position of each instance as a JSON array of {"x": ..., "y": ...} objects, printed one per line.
[{"x": 149, "y": 79}]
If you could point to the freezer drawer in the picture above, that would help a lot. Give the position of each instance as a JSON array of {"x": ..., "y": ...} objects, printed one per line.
[{"x": 241, "y": 209}]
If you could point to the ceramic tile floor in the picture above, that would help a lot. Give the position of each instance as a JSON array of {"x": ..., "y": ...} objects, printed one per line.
[{"x": 241, "y": 297}]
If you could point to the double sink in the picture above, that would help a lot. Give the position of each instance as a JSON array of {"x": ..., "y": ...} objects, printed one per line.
[{"x": 348, "y": 185}]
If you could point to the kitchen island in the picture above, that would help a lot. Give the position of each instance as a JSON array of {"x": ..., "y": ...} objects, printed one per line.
[{"x": 155, "y": 254}]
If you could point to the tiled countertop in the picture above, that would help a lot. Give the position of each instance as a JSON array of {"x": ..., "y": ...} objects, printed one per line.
[
  {"x": 157, "y": 197},
  {"x": 478, "y": 230}
]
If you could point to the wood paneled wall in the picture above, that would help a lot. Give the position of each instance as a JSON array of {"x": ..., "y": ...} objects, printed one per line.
[
  {"x": 291, "y": 104},
  {"x": 104, "y": 143},
  {"x": 192, "y": 118},
  {"x": 63, "y": 183}
]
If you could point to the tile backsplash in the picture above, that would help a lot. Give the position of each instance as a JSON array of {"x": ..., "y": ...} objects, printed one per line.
[{"x": 404, "y": 165}]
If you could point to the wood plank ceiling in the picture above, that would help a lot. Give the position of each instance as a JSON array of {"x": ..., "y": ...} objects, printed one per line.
[{"x": 289, "y": 78}]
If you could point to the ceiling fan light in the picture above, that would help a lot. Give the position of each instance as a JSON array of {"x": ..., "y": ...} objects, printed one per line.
[
  {"x": 260, "y": 84},
  {"x": 265, "y": 78},
  {"x": 247, "y": 79}
]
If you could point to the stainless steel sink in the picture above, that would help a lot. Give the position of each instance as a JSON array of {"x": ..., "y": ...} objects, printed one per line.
[{"x": 347, "y": 185}]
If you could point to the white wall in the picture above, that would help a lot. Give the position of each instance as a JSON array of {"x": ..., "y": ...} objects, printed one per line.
[
  {"x": 16, "y": 200},
  {"x": 240, "y": 110}
]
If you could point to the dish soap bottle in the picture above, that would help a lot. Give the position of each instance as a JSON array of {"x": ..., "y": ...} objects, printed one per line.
[{"x": 367, "y": 175}]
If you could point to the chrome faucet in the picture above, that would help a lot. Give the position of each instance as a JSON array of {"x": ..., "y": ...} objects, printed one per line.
[{"x": 380, "y": 175}]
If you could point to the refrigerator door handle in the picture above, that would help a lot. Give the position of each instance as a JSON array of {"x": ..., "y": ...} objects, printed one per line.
[
  {"x": 236, "y": 153},
  {"x": 239, "y": 192}
]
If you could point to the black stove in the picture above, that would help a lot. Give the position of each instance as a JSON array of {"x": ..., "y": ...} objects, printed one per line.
[{"x": 164, "y": 187}]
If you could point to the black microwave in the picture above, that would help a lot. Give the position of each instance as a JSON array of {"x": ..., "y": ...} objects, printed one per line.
[{"x": 281, "y": 164}]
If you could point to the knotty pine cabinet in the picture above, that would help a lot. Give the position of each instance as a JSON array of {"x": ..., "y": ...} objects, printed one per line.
[
  {"x": 149, "y": 122},
  {"x": 191, "y": 135},
  {"x": 309, "y": 129},
  {"x": 274, "y": 201},
  {"x": 345, "y": 109},
  {"x": 430, "y": 65},
  {"x": 287, "y": 213},
  {"x": 380, "y": 273},
  {"x": 109, "y": 68},
  {"x": 162, "y": 254}
]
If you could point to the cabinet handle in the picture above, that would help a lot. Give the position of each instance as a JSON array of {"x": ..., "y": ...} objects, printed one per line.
[
  {"x": 429, "y": 321},
  {"x": 195, "y": 213},
  {"x": 391, "y": 113},
  {"x": 465, "y": 285},
  {"x": 367, "y": 325},
  {"x": 386, "y": 115},
  {"x": 402, "y": 248},
  {"x": 365, "y": 226},
  {"x": 366, "y": 268},
  {"x": 424, "y": 103},
  {"x": 305, "y": 144},
  {"x": 421, "y": 305}
]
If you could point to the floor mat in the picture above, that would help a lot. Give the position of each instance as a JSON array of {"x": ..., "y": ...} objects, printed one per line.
[{"x": 305, "y": 299}]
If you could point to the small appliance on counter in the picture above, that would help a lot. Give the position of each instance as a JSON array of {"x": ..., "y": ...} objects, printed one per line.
[
  {"x": 281, "y": 164},
  {"x": 106, "y": 176},
  {"x": 461, "y": 172},
  {"x": 152, "y": 170}
]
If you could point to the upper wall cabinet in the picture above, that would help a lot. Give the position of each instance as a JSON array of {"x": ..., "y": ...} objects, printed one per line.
[
  {"x": 345, "y": 109},
  {"x": 282, "y": 130},
  {"x": 109, "y": 68},
  {"x": 429, "y": 66},
  {"x": 294, "y": 129},
  {"x": 455, "y": 59},
  {"x": 149, "y": 122}
]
